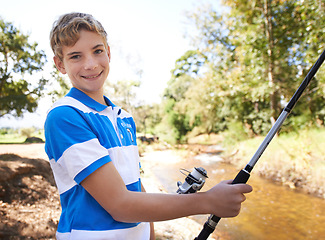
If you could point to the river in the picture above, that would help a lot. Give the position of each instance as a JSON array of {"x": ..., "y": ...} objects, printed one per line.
[{"x": 271, "y": 211}]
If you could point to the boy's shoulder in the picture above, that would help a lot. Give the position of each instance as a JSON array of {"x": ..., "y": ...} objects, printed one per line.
[
  {"x": 64, "y": 109},
  {"x": 68, "y": 102}
]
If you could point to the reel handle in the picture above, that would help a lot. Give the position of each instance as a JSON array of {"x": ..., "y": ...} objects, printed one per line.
[{"x": 194, "y": 181}]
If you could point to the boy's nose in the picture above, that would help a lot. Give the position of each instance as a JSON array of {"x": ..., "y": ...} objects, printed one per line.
[{"x": 90, "y": 63}]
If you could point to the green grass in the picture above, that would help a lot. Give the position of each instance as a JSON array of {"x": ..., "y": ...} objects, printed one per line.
[
  {"x": 308, "y": 145},
  {"x": 14, "y": 136},
  {"x": 295, "y": 159}
]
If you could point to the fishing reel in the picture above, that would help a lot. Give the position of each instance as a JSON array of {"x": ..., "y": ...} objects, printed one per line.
[{"x": 194, "y": 181}]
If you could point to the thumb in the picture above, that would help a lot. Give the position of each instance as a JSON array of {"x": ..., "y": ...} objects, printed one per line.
[{"x": 244, "y": 188}]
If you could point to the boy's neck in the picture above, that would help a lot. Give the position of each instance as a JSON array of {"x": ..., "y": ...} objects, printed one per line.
[
  {"x": 97, "y": 96},
  {"x": 99, "y": 99}
]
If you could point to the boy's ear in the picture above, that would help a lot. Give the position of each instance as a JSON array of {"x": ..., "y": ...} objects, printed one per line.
[
  {"x": 109, "y": 53},
  {"x": 59, "y": 64}
]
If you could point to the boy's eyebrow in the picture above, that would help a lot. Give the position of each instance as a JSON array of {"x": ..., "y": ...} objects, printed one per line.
[
  {"x": 73, "y": 53},
  {"x": 97, "y": 46}
]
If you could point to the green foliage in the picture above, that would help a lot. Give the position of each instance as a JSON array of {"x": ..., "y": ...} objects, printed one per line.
[
  {"x": 10, "y": 135},
  {"x": 295, "y": 158},
  {"x": 147, "y": 117},
  {"x": 18, "y": 58},
  {"x": 234, "y": 134},
  {"x": 27, "y": 132},
  {"x": 59, "y": 86},
  {"x": 189, "y": 63},
  {"x": 11, "y": 138},
  {"x": 178, "y": 122},
  {"x": 177, "y": 87},
  {"x": 246, "y": 63},
  {"x": 122, "y": 93}
]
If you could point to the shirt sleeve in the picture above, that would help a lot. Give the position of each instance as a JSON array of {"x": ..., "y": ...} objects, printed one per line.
[{"x": 72, "y": 144}]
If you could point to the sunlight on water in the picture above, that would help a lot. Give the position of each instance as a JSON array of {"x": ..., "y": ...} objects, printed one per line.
[{"x": 271, "y": 211}]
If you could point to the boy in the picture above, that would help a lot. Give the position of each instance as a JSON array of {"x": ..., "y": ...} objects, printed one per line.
[{"x": 91, "y": 144}]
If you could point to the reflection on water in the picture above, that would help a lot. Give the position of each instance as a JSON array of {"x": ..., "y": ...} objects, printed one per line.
[{"x": 271, "y": 211}]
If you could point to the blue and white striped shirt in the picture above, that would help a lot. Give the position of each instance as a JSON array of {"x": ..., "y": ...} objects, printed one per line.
[{"x": 81, "y": 136}]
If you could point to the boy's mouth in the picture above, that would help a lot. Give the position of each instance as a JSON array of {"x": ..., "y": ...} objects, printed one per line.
[{"x": 93, "y": 76}]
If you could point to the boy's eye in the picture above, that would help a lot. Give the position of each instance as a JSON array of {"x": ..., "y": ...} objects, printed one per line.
[
  {"x": 75, "y": 57},
  {"x": 98, "y": 51}
]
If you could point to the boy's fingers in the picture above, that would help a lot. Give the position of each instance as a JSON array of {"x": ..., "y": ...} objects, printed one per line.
[
  {"x": 244, "y": 188},
  {"x": 244, "y": 198},
  {"x": 228, "y": 181}
]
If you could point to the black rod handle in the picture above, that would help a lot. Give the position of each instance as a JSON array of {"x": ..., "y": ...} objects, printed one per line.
[{"x": 212, "y": 222}]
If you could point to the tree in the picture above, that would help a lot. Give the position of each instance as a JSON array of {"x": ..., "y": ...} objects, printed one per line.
[
  {"x": 255, "y": 57},
  {"x": 190, "y": 63},
  {"x": 60, "y": 86},
  {"x": 122, "y": 93},
  {"x": 278, "y": 40},
  {"x": 176, "y": 117},
  {"x": 18, "y": 58},
  {"x": 147, "y": 117},
  {"x": 313, "y": 103}
]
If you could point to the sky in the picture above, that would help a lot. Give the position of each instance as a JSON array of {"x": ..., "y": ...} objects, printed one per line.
[{"x": 143, "y": 34}]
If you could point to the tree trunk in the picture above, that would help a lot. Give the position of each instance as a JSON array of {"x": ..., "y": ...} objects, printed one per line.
[{"x": 270, "y": 62}]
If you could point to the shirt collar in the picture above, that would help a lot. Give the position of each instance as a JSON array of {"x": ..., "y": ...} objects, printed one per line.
[{"x": 88, "y": 101}]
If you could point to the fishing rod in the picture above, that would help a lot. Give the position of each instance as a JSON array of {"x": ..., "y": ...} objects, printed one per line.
[{"x": 244, "y": 174}]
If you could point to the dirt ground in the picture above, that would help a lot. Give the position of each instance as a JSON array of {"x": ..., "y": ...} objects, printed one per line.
[{"x": 29, "y": 201}]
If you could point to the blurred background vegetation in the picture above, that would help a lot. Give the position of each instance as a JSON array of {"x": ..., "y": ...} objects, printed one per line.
[{"x": 244, "y": 65}]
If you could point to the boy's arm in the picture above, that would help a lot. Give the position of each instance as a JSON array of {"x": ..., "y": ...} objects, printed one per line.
[
  {"x": 152, "y": 227},
  {"x": 108, "y": 188}
]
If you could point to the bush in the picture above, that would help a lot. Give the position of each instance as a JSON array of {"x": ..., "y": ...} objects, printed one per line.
[
  {"x": 34, "y": 140},
  {"x": 235, "y": 133},
  {"x": 27, "y": 132}
]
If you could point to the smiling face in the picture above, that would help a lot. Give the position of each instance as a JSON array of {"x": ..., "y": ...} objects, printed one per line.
[{"x": 86, "y": 63}]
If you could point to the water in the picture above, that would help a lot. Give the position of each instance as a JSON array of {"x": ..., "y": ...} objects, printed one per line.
[{"x": 271, "y": 211}]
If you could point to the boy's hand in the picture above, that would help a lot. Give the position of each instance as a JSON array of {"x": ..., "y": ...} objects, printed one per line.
[
  {"x": 225, "y": 198},
  {"x": 109, "y": 190}
]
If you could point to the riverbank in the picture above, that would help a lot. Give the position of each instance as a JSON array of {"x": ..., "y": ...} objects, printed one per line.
[
  {"x": 29, "y": 201},
  {"x": 296, "y": 160},
  {"x": 271, "y": 211},
  {"x": 33, "y": 207}
]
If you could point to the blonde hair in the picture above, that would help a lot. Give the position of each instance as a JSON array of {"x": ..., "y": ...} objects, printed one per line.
[{"x": 66, "y": 30}]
